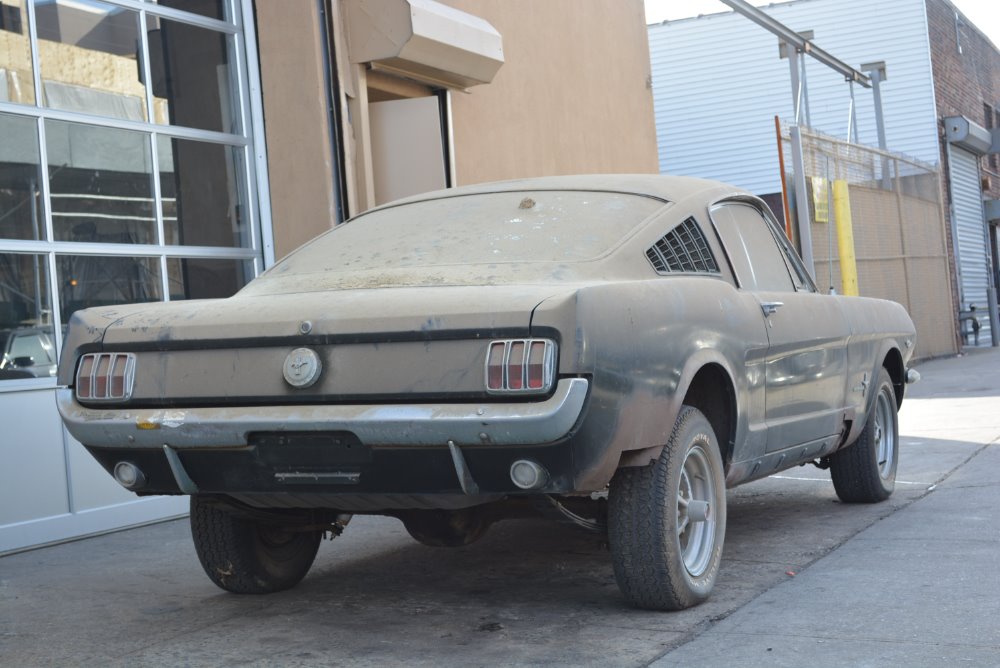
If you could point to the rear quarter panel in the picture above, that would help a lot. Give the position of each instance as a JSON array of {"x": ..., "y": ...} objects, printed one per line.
[{"x": 642, "y": 342}]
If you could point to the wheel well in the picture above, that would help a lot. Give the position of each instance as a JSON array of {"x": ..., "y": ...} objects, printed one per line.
[
  {"x": 893, "y": 363},
  {"x": 711, "y": 392}
]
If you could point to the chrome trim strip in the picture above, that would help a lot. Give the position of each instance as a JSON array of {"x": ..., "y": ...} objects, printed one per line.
[{"x": 375, "y": 424}]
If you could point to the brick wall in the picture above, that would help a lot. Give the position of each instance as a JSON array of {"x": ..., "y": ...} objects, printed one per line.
[
  {"x": 963, "y": 82},
  {"x": 965, "y": 79}
]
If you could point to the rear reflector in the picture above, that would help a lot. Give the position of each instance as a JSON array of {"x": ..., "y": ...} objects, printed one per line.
[
  {"x": 105, "y": 377},
  {"x": 521, "y": 365}
]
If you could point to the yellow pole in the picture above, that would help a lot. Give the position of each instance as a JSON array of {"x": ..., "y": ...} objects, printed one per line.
[{"x": 845, "y": 238}]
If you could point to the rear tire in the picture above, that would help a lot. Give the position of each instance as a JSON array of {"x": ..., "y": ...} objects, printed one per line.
[
  {"x": 865, "y": 471},
  {"x": 667, "y": 520},
  {"x": 247, "y": 556}
]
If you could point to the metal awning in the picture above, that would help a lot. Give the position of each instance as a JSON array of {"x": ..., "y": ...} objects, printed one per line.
[
  {"x": 973, "y": 137},
  {"x": 424, "y": 40}
]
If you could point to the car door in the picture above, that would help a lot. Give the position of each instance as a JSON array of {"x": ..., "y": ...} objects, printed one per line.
[{"x": 807, "y": 332}]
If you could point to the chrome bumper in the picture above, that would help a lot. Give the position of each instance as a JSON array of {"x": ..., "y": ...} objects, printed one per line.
[{"x": 375, "y": 424}]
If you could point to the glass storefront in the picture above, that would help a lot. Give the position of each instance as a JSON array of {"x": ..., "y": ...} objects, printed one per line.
[{"x": 126, "y": 163}]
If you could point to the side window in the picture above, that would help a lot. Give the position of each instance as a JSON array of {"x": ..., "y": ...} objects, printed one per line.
[
  {"x": 757, "y": 260},
  {"x": 800, "y": 277}
]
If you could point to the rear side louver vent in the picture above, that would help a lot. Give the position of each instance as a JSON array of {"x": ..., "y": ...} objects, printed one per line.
[{"x": 682, "y": 249}]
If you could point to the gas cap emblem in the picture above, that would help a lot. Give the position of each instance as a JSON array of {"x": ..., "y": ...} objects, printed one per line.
[{"x": 302, "y": 367}]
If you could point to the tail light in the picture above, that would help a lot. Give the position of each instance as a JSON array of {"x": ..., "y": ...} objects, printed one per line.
[
  {"x": 521, "y": 366},
  {"x": 105, "y": 377}
]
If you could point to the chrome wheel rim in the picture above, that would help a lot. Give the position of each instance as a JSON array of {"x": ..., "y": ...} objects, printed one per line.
[
  {"x": 696, "y": 535},
  {"x": 885, "y": 435}
]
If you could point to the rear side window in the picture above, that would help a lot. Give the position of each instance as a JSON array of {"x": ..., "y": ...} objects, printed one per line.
[
  {"x": 758, "y": 262},
  {"x": 683, "y": 249}
]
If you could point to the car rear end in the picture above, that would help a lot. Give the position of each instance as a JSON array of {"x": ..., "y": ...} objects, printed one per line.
[{"x": 392, "y": 363}]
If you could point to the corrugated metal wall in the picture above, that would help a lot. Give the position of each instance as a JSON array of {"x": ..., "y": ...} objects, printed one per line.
[
  {"x": 718, "y": 82},
  {"x": 971, "y": 242}
]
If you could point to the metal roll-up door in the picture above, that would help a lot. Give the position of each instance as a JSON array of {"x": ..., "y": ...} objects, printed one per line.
[{"x": 971, "y": 242}]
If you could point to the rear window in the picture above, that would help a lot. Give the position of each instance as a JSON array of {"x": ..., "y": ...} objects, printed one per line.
[{"x": 526, "y": 226}]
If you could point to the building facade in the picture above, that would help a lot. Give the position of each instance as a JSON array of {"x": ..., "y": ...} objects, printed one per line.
[
  {"x": 173, "y": 149},
  {"x": 735, "y": 93},
  {"x": 966, "y": 69}
]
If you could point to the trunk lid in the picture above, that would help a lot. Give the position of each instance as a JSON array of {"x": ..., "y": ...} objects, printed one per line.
[{"x": 423, "y": 344}]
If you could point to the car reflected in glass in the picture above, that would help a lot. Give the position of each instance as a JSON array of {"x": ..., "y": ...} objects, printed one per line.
[{"x": 27, "y": 353}]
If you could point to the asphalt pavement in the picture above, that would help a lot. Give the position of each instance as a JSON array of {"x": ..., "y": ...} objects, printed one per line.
[{"x": 805, "y": 580}]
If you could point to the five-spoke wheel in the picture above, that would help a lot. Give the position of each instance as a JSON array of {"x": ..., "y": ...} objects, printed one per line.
[
  {"x": 667, "y": 520},
  {"x": 865, "y": 471}
]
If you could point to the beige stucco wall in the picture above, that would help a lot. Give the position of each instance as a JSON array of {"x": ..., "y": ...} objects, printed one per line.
[
  {"x": 572, "y": 97},
  {"x": 297, "y": 122}
]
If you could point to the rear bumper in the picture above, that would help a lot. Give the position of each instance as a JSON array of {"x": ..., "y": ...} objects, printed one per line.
[
  {"x": 374, "y": 424},
  {"x": 349, "y": 457}
]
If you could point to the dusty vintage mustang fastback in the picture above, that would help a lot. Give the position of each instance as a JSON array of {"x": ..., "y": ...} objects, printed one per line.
[{"x": 613, "y": 351}]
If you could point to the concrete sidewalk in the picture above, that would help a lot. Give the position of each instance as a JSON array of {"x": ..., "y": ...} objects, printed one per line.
[{"x": 918, "y": 588}]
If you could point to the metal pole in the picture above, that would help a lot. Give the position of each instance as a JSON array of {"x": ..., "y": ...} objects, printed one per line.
[
  {"x": 876, "y": 76},
  {"x": 991, "y": 297},
  {"x": 802, "y": 202},
  {"x": 805, "y": 92},
  {"x": 788, "y": 35},
  {"x": 876, "y": 71},
  {"x": 793, "y": 67},
  {"x": 852, "y": 129}
]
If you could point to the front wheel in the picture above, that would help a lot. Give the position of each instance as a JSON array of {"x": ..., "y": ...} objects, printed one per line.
[
  {"x": 865, "y": 471},
  {"x": 667, "y": 520},
  {"x": 247, "y": 556}
]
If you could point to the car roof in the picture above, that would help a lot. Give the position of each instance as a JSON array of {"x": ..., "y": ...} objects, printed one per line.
[{"x": 668, "y": 188}]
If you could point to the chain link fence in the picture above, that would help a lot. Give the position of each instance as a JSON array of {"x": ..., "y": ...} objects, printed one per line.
[{"x": 892, "y": 206}]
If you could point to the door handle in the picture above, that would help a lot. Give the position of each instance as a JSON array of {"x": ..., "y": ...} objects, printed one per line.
[{"x": 770, "y": 308}]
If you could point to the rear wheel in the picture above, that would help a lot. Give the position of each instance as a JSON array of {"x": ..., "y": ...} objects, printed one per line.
[
  {"x": 247, "y": 556},
  {"x": 667, "y": 520},
  {"x": 446, "y": 528},
  {"x": 865, "y": 471}
]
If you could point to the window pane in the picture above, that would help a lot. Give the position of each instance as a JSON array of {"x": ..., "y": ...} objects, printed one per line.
[
  {"x": 20, "y": 175},
  {"x": 213, "y": 9},
  {"x": 192, "y": 76},
  {"x": 17, "y": 84},
  {"x": 101, "y": 184},
  {"x": 88, "y": 280},
  {"x": 203, "y": 192},
  {"x": 26, "y": 340},
  {"x": 198, "y": 278},
  {"x": 757, "y": 260},
  {"x": 87, "y": 53}
]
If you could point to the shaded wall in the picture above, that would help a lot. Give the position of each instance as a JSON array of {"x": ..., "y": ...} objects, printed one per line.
[{"x": 297, "y": 121}]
